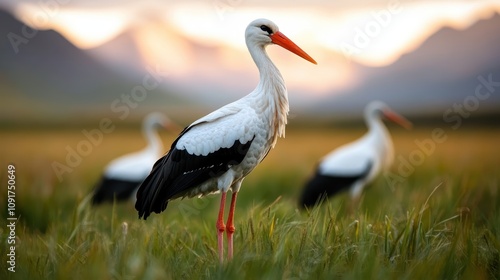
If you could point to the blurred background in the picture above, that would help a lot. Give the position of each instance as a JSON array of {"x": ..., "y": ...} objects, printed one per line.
[
  {"x": 73, "y": 61},
  {"x": 67, "y": 65}
]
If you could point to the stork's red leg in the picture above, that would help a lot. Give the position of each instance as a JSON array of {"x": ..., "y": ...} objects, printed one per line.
[
  {"x": 230, "y": 226},
  {"x": 221, "y": 227}
]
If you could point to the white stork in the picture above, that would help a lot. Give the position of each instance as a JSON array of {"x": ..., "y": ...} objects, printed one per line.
[
  {"x": 354, "y": 165},
  {"x": 216, "y": 152},
  {"x": 123, "y": 176}
]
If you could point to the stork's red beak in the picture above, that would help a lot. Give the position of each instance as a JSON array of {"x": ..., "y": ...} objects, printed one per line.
[
  {"x": 171, "y": 126},
  {"x": 397, "y": 118},
  {"x": 280, "y": 39}
]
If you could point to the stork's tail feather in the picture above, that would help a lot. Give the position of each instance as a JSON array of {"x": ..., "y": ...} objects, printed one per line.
[
  {"x": 321, "y": 187},
  {"x": 148, "y": 198},
  {"x": 109, "y": 190}
]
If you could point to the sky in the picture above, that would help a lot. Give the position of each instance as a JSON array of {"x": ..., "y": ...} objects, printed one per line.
[{"x": 369, "y": 32}]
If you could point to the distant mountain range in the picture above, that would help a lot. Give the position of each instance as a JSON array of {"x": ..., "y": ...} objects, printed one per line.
[
  {"x": 51, "y": 80},
  {"x": 443, "y": 71}
]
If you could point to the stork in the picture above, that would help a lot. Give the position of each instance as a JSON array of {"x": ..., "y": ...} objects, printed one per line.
[
  {"x": 216, "y": 152},
  {"x": 123, "y": 176},
  {"x": 354, "y": 165}
]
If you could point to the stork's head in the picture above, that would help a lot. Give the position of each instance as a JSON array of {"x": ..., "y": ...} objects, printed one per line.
[
  {"x": 263, "y": 32},
  {"x": 157, "y": 119},
  {"x": 378, "y": 110}
]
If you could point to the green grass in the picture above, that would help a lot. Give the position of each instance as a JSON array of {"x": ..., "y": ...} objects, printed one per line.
[{"x": 441, "y": 222}]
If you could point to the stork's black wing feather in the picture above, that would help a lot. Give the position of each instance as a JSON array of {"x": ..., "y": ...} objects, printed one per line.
[
  {"x": 321, "y": 186},
  {"x": 178, "y": 171},
  {"x": 110, "y": 189}
]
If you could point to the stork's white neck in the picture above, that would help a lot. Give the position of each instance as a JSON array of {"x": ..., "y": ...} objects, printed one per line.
[
  {"x": 378, "y": 133},
  {"x": 270, "y": 96},
  {"x": 154, "y": 143}
]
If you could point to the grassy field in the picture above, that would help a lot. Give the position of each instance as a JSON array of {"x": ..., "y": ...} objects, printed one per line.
[{"x": 440, "y": 218}]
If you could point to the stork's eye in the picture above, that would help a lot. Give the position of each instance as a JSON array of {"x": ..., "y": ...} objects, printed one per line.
[{"x": 266, "y": 29}]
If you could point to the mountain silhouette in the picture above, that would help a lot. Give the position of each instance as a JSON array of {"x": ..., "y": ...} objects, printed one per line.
[
  {"x": 442, "y": 71},
  {"x": 45, "y": 76}
]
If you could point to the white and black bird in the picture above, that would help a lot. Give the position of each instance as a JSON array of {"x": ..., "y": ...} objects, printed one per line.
[
  {"x": 354, "y": 165},
  {"x": 216, "y": 152},
  {"x": 123, "y": 176}
]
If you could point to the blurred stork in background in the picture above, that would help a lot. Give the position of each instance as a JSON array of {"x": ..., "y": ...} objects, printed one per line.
[
  {"x": 354, "y": 165},
  {"x": 123, "y": 176}
]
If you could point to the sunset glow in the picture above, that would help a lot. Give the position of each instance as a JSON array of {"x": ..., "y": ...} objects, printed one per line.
[
  {"x": 372, "y": 35},
  {"x": 376, "y": 35},
  {"x": 84, "y": 28}
]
